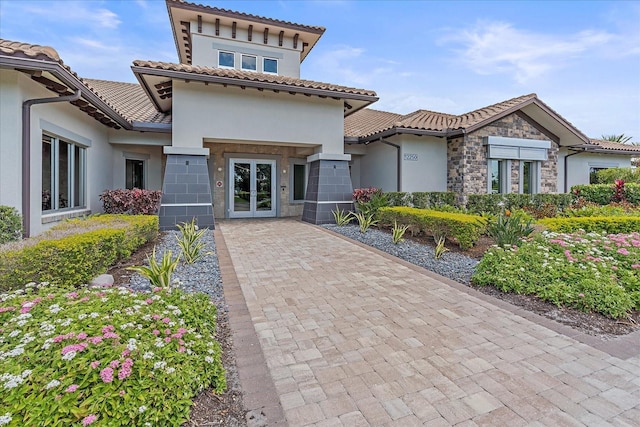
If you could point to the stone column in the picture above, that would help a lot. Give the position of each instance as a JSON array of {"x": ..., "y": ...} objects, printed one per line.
[
  {"x": 329, "y": 185},
  {"x": 186, "y": 193}
]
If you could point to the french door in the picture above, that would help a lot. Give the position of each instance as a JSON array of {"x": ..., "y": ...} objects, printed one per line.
[{"x": 254, "y": 188}]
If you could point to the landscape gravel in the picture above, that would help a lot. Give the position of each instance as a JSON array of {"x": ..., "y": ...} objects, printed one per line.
[
  {"x": 201, "y": 276},
  {"x": 452, "y": 265}
]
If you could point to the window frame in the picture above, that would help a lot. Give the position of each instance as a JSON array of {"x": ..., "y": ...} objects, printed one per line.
[
  {"x": 76, "y": 170},
  {"x": 264, "y": 59},
  {"x": 534, "y": 178},
  {"x": 242, "y": 67},
  {"x": 233, "y": 55},
  {"x": 504, "y": 170},
  {"x": 292, "y": 164}
]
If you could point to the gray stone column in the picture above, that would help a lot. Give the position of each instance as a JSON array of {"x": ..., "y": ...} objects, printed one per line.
[
  {"x": 186, "y": 193},
  {"x": 329, "y": 185}
]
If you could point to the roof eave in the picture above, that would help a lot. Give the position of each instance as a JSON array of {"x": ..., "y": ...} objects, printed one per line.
[
  {"x": 500, "y": 115},
  {"x": 592, "y": 148},
  {"x": 151, "y": 127},
  {"x": 386, "y": 133},
  {"x": 66, "y": 78}
]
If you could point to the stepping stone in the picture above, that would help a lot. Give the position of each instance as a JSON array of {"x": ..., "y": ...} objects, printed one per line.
[{"x": 102, "y": 280}]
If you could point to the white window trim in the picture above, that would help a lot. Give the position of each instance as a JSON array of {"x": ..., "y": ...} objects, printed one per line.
[
  {"x": 292, "y": 175},
  {"x": 226, "y": 66},
  {"x": 55, "y": 174},
  {"x": 277, "y": 65},
  {"x": 242, "y": 62}
]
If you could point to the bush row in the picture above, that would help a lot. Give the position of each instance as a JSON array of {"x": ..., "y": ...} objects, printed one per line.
[
  {"x": 603, "y": 194},
  {"x": 490, "y": 203},
  {"x": 463, "y": 229},
  {"x": 610, "y": 175},
  {"x": 134, "y": 202},
  {"x": 76, "y": 258},
  {"x": 598, "y": 224},
  {"x": 421, "y": 199}
]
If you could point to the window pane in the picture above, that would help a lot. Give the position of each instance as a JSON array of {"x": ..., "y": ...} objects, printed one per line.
[
  {"x": 299, "y": 175},
  {"x": 527, "y": 178},
  {"x": 496, "y": 176},
  {"x": 225, "y": 59},
  {"x": 135, "y": 174},
  {"x": 249, "y": 63},
  {"x": 270, "y": 66},
  {"x": 63, "y": 174},
  {"x": 264, "y": 186},
  {"x": 47, "y": 189}
]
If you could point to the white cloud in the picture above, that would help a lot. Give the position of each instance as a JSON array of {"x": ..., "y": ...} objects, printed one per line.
[
  {"x": 498, "y": 47},
  {"x": 78, "y": 13}
]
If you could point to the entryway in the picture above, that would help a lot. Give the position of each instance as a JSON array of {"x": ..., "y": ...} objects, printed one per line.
[{"x": 254, "y": 188}]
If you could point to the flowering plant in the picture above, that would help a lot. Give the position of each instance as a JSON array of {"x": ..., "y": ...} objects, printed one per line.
[
  {"x": 589, "y": 271},
  {"x": 105, "y": 356}
]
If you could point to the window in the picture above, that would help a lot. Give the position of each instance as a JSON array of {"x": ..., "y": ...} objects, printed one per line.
[
  {"x": 498, "y": 176},
  {"x": 134, "y": 174},
  {"x": 593, "y": 174},
  {"x": 63, "y": 174},
  {"x": 226, "y": 59},
  {"x": 270, "y": 66},
  {"x": 249, "y": 63},
  {"x": 528, "y": 177},
  {"x": 298, "y": 180}
]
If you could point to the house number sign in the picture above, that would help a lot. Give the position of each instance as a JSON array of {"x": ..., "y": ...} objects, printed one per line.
[{"x": 411, "y": 157}]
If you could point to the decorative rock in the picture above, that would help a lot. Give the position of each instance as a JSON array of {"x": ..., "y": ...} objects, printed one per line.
[{"x": 102, "y": 280}]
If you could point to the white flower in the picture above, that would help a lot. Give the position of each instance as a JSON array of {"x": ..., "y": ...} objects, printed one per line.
[
  {"x": 55, "y": 308},
  {"x": 131, "y": 346},
  {"x": 53, "y": 383},
  {"x": 148, "y": 355},
  {"x": 142, "y": 409},
  {"x": 147, "y": 424},
  {"x": 104, "y": 299},
  {"x": 116, "y": 312},
  {"x": 15, "y": 352},
  {"x": 177, "y": 312},
  {"x": 26, "y": 373},
  {"x": 12, "y": 381},
  {"x": 5, "y": 419},
  {"x": 170, "y": 370},
  {"x": 82, "y": 316},
  {"x": 159, "y": 365},
  {"x": 27, "y": 338},
  {"x": 69, "y": 356},
  {"x": 208, "y": 359},
  {"x": 14, "y": 333},
  {"x": 93, "y": 315}
]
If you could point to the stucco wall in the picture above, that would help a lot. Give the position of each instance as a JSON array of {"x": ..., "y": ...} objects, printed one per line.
[
  {"x": 579, "y": 165},
  {"x": 218, "y": 167},
  {"x": 234, "y": 114},
  {"x": 99, "y": 174},
  {"x": 152, "y": 156},
  {"x": 206, "y": 48},
  {"x": 378, "y": 168},
  {"x": 467, "y": 158},
  {"x": 429, "y": 171}
]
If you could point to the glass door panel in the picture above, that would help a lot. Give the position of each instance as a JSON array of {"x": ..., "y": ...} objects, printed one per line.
[
  {"x": 254, "y": 188},
  {"x": 241, "y": 187},
  {"x": 263, "y": 186}
]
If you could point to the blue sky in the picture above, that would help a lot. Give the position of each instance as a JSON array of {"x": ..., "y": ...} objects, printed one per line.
[{"x": 581, "y": 58}]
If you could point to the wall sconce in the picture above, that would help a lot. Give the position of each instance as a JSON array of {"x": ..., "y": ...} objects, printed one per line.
[
  {"x": 284, "y": 171},
  {"x": 219, "y": 169}
]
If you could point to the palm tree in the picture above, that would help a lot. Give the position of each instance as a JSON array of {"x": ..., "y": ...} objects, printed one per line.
[{"x": 622, "y": 139}]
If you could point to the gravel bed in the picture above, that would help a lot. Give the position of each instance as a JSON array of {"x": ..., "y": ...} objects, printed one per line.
[
  {"x": 453, "y": 265},
  {"x": 201, "y": 276}
]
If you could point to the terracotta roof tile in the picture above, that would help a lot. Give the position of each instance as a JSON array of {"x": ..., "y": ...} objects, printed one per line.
[
  {"x": 426, "y": 120},
  {"x": 12, "y": 48},
  {"x": 242, "y": 15},
  {"x": 475, "y": 117},
  {"x": 130, "y": 99},
  {"x": 252, "y": 77},
  {"x": 367, "y": 122},
  {"x": 615, "y": 146}
]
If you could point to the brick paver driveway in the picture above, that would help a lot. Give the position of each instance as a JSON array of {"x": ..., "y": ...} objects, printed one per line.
[{"x": 352, "y": 337}]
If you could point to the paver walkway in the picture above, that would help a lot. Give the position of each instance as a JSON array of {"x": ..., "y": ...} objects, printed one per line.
[{"x": 352, "y": 338}]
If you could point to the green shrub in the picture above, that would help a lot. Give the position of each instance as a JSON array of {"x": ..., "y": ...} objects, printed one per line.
[
  {"x": 610, "y": 175},
  {"x": 369, "y": 200},
  {"x": 158, "y": 273},
  {"x": 606, "y": 224},
  {"x": 432, "y": 199},
  {"x": 397, "y": 232},
  {"x": 618, "y": 209},
  {"x": 509, "y": 228},
  {"x": 87, "y": 248},
  {"x": 603, "y": 194},
  {"x": 190, "y": 241},
  {"x": 494, "y": 203},
  {"x": 396, "y": 198},
  {"x": 110, "y": 355},
  {"x": 10, "y": 224},
  {"x": 464, "y": 229}
]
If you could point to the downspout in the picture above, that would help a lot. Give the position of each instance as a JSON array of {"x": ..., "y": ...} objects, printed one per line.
[
  {"x": 566, "y": 171},
  {"x": 26, "y": 154},
  {"x": 399, "y": 163}
]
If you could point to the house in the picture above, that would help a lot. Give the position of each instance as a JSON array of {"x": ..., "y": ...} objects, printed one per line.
[
  {"x": 516, "y": 146},
  {"x": 231, "y": 130}
]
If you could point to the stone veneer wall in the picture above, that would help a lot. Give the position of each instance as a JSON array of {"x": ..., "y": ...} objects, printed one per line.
[
  {"x": 467, "y": 158},
  {"x": 218, "y": 150}
]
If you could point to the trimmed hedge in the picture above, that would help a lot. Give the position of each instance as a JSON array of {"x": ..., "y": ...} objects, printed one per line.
[
  {"x": 432, "y": 199},
  {"x": 10, "y": 224},
  {"x": 76, "y": 258},
  {"x": 603, "y": 194},
  {"x": 464, "y": 229},
  {"x": 398, "y": 198},
  {"x": 608, "y": 176},
  {"x": 489, "y": 203},
  {"x": 599, "y": 224}
]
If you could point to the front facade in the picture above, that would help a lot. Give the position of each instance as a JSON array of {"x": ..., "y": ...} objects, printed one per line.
[{"x": 232, "y": 131}]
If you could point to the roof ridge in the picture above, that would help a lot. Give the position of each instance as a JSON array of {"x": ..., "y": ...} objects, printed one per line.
[
  {"x": 109, "y": 81},
  {"x": 523, "y": 97}
]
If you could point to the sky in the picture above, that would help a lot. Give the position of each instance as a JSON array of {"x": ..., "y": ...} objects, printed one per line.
[{"x": 582, "y": 58}]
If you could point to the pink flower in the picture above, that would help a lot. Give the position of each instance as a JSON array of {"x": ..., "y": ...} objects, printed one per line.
[
  {"x": 623, "y": 251},
  {"x": 111, "y": 335},
  {"x": 149, "y": 301},
  {"x": 125, "y": 353},
  {"x": 613, "y": 267},
  {"x": 25, "y": 309},
  {"x": 166, "y": 320},
  {"x": 181, "y": 349},
  {"x": 4, "y": 309},
  {"x": 95, "y": 364},
  {"x": 114, "y": 364},
  {"x": 61, "y": 338},
  {"x": 156, "y": 332},
  {"x": 107, "y": 375},
  {"x": 72, "y": 388},
  {"x": 125, "y": 371},
  {"x": 121, "y": 393},
  {"x": 81, "y": 336},
  {"x": 156, "y": 317},
  {"x": 74, "y": 347},
  {"x": 85, "y": 299},
  {"x": 635, "y": 266},
  {"x": 95, "y": 340},
  {"x": 167, "y": 331},
  {"x": 581, "y": 295},
  {"x": 108, "y": 328},
  {"x": 157, "y": 289},
  {"x": 89, "y": 419},
  {"x": 167, "y": 339},
  {"x": 72, "y": 295}
]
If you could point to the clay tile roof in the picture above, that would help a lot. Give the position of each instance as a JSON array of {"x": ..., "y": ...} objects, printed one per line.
[
  {"x": 426, "y": 120},
  {"x": 615, "y": 146},
  {"x": 130, "y": 99},
  {"x": 480, "y": 115},
  {"x": 242, "y": 15},
  {"x": 250, "y": 76},
  {"x": 11, "y": 48},
  {"x": 368, "y": 122}
]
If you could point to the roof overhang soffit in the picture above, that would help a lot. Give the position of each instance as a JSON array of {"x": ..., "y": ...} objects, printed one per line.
[
  {"x": 593, "y": 148},
  {"x": 157, "y": 85},
  {"x": 59, "y": 80},
  {"x": 398, "y": 131}
]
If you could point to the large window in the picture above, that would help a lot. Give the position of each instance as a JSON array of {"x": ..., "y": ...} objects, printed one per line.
[
  {"x": 134, "y": 174},
  {"x": 529, "y": 177},
  {"x": 226, "y": 59},
  {"x": 498, "y": 176},
  {"x": 298, "y": 180},
  {"x": 63, "y": 174}
]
